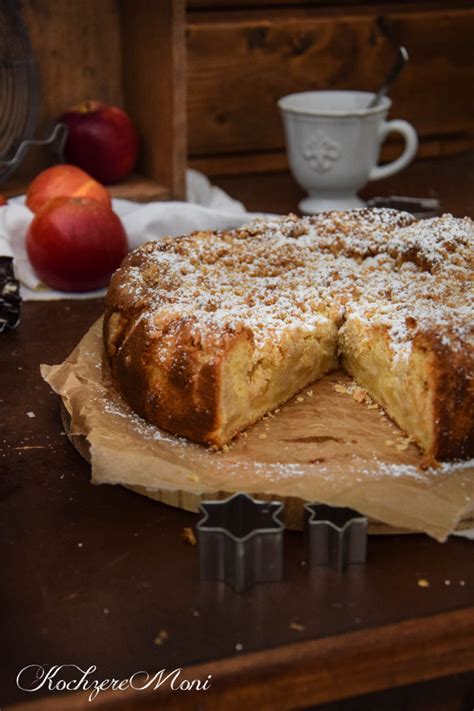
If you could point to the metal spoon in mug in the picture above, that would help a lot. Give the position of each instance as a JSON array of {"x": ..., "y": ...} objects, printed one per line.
[{"x": 401, "y": 60}]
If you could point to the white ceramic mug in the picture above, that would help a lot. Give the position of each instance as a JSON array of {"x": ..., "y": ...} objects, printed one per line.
[{"x": 333, "y": 143}]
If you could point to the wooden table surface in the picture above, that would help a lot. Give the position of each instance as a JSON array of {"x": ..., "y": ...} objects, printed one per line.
[{"x": 91, "y": 575}]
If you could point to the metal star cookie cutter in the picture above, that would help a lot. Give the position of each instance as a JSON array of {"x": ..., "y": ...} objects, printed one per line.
[
  {"x": 337, "y": 535},
  {"x": 241, "y": 541}
]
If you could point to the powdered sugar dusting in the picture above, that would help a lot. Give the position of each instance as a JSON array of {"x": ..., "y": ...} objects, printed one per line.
[{"x": 376, "y": 265}]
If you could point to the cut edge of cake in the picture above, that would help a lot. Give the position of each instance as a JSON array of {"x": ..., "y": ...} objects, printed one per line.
[
  {"x": 210, "y": 395},
  {"x": 427, "y": 395}
]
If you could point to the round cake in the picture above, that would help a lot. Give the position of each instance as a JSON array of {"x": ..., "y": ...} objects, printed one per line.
[{"x": 206, "y": 333}]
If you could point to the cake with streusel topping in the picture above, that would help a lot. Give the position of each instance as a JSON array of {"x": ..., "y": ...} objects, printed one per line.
[{"x": 207, "y": 332}]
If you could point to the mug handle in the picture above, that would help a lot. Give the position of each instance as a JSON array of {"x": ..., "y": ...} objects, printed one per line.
[{"x": 411, "y": 146}]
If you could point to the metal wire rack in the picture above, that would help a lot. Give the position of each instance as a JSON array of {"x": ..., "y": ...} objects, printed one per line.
[{"x": 19, "y": 87}]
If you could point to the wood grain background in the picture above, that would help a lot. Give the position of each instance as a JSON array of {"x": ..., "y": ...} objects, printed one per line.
[
  {"x": 125, "y": 52},
  {"x": 241, "y": 62},
  {"x": 242, "y": 56}
]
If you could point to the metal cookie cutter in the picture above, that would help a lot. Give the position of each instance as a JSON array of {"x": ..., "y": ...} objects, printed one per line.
[
  {"x": 337, "y": 535},
  {"x": 241, "y": 541}
]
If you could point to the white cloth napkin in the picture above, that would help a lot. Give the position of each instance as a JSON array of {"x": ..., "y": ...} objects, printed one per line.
[{"x": 207, "y": 207}]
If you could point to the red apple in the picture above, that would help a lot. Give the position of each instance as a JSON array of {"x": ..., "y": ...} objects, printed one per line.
[
  {"x": 64, "y": 181},
  {"x": 74, "y": 244},
  {"x": 101, "y": 140}
]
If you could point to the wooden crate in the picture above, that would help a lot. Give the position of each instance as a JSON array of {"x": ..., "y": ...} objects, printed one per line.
[
  {"x": 241, "y": 61},
  {"x": 242, "y": 55},
  {"x": 125, "y": 52}
]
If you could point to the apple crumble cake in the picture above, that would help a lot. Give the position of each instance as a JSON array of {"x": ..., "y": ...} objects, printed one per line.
[{"x": 207, "y": 332}]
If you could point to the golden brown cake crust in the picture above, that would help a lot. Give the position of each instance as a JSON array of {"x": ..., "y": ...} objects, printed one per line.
[
  {"x": 185, "y": 396},
  {"x": 179, "y": 310}
]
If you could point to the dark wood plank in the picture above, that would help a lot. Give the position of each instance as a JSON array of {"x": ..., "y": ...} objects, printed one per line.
[
  {"x": 239, "y": 64},
  {"x": 325, "y": 4},
  {"x": 136, "y": 188},
  {"x": 235, "y": 164},
  {"x": 153, "y": 68},
  {"x": 77, "y": 46},
  {"x": 311, "y": 672},
  {"x": 451, "y": 180},
  {"x": 124, "y": 52}
]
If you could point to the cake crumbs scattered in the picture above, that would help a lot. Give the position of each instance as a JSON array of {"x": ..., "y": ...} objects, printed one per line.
[
  {"x": 423, "y": 583},
  {"x": 31, "y": 414},
  {"x": 188, "y": 536},
  {"x": 359, "y": 394},
  {"x": 403, "y": 443},
  {"x": 192, "y": 477},
  {"x": 31, "y": 446},
  {"x": 340, "y": 388},
  {"x": 462, "y": 583},
  {"x": 239, "y": 647},
  {"x": 225, "y": 448},
  {"x": 300, "y": 399},
  {"x": 447, "y": 582},
  {"x": 161, "y": 637},
  {"x": 297, "y": 627},
  {"x": 262, "y": 435},
  {"x": 309, "y": 393}
]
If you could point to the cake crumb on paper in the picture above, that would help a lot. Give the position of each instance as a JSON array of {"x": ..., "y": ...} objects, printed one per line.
[
  {"x": 188, "y": 536},
  {"x": 359, "y": 394},
  {"x": 161, "y": 637},
  {"x": 403, "y": 443},
  {"x": 297, "y": 626}
]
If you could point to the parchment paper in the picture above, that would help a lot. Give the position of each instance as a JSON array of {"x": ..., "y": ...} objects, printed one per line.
[{"x": 321, "y": 446}]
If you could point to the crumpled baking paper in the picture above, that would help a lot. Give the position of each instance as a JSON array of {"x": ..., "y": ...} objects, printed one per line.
[{"x": 321, "y": 446}]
